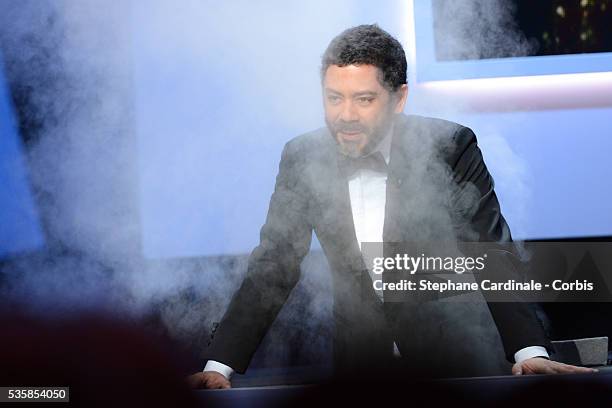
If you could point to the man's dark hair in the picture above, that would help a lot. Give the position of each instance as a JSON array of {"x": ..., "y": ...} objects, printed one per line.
[{"x": 368, "y": 45}]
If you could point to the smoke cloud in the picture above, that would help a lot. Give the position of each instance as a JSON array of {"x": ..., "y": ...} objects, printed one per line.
[
  {"x": 478, "y": 29},
  {"x": 70, "y": 64}
]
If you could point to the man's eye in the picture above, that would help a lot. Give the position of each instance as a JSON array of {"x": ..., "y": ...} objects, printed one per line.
[
  {"x": 333, "y": 99},
  {"x": 365, "y": 100}
]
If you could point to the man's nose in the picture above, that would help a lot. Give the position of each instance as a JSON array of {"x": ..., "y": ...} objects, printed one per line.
[{"x": 349, "y": 113}]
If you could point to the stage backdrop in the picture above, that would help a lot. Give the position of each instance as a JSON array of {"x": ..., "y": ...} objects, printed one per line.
[{"x": 220, "y": 87}]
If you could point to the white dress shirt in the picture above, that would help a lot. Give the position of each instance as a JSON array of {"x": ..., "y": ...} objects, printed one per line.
[{"x": 367, "y": 190}]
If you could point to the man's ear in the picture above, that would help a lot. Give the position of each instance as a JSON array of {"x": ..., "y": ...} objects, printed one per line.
[{"x": 400, "y": 97}]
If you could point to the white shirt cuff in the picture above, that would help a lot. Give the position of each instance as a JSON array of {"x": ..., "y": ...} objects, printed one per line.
[
  {"x": 226, "y": 371},
  {"x": 530, "y": 352}
]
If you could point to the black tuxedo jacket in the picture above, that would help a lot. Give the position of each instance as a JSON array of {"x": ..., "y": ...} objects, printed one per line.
[{"x": 437, "y": 186}]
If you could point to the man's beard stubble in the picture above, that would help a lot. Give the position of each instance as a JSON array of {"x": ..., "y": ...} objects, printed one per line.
[{"x": 373, "y": 135}]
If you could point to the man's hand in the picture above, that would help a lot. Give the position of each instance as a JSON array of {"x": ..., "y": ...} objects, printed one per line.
[
  {"x": 209, "y": 380},
  {"x": 539, "y": 365}
]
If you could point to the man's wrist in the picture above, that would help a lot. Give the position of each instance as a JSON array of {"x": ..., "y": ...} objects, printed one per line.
[
  {"x": 530, "y": 352},
  {"x": 220, "y": 368}
]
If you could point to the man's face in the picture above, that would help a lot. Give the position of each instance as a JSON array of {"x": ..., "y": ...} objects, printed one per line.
[{"x": 358, "y": 109}]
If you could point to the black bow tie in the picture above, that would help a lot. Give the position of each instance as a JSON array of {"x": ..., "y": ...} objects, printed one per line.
[{"x": 374, "y": 161}]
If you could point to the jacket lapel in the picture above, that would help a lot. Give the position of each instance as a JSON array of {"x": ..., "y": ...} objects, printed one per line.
[
  {"x": 346, "y": 235},
  {"x": 335, "y": 226},
  {"x": 397, "y": 173}
]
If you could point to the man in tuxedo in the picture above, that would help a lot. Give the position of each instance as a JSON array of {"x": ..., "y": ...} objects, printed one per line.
[{"x": 372, "y": 174}]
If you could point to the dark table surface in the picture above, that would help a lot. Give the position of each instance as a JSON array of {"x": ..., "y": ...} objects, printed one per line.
[{"x": 552, "y": 390}]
